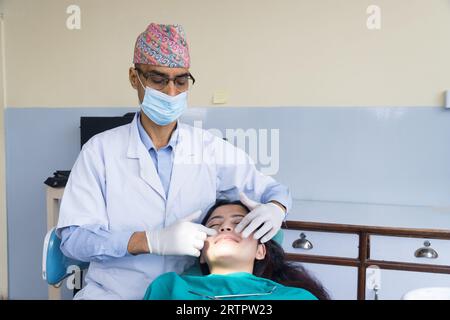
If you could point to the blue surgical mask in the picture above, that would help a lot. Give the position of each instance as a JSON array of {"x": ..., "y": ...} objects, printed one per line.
[{"x": 161, "y": 108}]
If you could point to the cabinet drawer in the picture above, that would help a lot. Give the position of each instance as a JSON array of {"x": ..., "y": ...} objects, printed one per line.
[
  {"x": 323, "y": 243},
  {"x": 402, "y": 249}
]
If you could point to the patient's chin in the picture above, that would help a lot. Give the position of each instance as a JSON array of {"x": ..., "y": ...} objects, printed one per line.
[{"x": 226, "y": 249}]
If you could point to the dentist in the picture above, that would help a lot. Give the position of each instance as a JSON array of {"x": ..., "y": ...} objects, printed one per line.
[{"x": 137, "y": 193}]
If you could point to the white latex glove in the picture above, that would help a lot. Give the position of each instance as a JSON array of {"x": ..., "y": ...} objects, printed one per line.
[
  {"x": 268, "y": 217},
  {"x": 181, "y": 238}
]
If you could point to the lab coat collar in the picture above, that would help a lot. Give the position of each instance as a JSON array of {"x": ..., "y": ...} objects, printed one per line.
[
  {"x": 184, "y": 159},
  {"x": 137, "y": 150},
  {"x": 147, "y": 141}
]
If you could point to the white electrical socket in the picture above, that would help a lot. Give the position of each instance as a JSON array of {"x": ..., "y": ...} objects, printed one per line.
[{"x": 373, "y": 278}]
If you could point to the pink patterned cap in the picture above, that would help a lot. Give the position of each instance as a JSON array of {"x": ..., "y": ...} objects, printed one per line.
[{"x": 162, "y": 45}]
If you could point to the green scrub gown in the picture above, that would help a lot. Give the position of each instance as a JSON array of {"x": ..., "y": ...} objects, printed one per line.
[{"x": 171, "y": 286}]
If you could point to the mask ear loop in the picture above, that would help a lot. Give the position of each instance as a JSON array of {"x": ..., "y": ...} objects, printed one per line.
[{"x": 137, "y": 75}]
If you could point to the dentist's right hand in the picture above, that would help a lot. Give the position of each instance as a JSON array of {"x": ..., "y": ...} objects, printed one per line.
[{"x": 181, "y": 238}]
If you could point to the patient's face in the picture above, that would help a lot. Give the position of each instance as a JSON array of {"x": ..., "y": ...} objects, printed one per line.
[{"x": 228, "y": 247}]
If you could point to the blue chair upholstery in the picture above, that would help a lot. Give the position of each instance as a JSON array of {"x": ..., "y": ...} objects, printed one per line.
[{"x": 54, "y": 263}]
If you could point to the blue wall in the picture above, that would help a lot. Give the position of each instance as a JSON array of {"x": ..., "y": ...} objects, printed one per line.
[{"x": 376, "y": 155}]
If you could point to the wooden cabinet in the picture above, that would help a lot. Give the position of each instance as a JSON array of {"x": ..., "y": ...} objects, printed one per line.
[{"x": 362, "y": 250}]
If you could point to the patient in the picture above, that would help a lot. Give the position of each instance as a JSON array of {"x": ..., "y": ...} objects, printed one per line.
[{"x": 237, "y": 268}]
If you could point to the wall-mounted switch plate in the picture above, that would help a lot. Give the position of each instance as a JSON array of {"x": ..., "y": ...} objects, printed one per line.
[{"x": 220, "y": 97}]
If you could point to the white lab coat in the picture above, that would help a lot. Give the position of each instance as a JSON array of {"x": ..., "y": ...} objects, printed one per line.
[{"x": 114, "y": 184}]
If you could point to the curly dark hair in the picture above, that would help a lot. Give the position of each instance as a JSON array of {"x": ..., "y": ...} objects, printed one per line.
[{"x": 274, "y": 265}]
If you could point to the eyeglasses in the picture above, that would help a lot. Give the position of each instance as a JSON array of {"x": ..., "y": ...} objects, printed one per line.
[
  {"x": 234, "y": 295},
  {"x": 159, "y": 81}
]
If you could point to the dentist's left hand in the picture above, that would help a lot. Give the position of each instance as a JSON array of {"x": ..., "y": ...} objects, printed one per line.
[{"x": 268, "y": 217}]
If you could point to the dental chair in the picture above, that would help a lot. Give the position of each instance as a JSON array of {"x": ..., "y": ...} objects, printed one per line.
[{"x": 55, "y": 265}]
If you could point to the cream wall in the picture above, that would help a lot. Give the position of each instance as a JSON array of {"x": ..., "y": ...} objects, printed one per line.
[
  {"x": 3, "y": 220},
  {"x": 262, "y": 52}
]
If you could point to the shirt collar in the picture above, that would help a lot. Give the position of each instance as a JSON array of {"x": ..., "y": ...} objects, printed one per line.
[{"x": 147, "y": 141}]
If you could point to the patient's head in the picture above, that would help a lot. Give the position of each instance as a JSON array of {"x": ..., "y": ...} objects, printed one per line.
[{"x": 228, "y": 251}]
